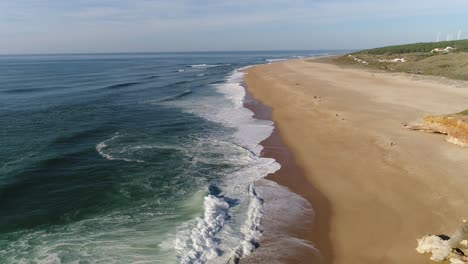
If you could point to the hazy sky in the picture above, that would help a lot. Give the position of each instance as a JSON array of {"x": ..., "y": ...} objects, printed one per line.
[{"x": 56, "y": 26}]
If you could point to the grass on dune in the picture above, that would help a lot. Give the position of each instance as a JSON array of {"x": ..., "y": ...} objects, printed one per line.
[
  {"x": 418, "y": 59},
  {"x": 461, "y": 45}
]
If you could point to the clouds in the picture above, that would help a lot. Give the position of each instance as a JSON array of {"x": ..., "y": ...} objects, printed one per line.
[
  {"x": 274, "y": 9},
  {"x": 141, "y": 10},
  {"x": 96, "y": 25}
]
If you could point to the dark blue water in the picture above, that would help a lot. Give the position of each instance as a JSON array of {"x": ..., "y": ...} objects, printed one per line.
[{"x": 129, "y": 158}]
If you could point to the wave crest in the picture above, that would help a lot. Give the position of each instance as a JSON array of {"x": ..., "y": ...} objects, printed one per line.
[
  {"x": 202, "y": 243},
  {"x": 170, "y": 98}
]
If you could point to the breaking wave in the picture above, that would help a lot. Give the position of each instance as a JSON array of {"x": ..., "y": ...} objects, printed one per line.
[
  {"x": 202, "y": 243},
  {"x": 206, "y": 65},
  {"x": 210, "y": 239},
  {"x": 252, "y": 229},
  {"x": 274, "y": 60}
]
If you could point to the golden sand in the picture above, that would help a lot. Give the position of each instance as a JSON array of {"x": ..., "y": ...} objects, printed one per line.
[{"x": 385, "y": 186}]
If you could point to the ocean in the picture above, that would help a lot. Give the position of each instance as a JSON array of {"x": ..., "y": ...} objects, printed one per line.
[{"x": 130, "y": 158}]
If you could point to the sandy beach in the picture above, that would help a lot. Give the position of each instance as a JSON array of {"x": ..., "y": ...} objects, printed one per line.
[
  {"x": 374, "y": 186},
  {"x": 289, "y": 221}
]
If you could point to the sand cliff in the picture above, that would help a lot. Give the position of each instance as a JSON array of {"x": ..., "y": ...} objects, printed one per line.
[{"x": 454, "y": 126}]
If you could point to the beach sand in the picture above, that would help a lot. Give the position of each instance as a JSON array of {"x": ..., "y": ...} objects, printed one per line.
[
  {"x": 374, "y": 186},
  {"x": 289, "y": 220}
]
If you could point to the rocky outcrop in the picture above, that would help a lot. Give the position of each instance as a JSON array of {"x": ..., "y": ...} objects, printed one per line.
[
  {"x": 454, "y": 126},
  {"x": 445, "y": 248}
]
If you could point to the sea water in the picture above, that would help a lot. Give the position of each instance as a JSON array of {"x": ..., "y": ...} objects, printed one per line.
[{"x": 130, "y": 158}]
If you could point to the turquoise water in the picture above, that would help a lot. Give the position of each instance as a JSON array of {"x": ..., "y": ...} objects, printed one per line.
[{"x": 130, "y": 158}]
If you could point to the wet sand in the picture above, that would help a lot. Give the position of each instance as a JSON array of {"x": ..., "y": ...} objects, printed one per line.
[
  {"x": 374, "y": 186},
  {"x": 291, "y": 241}
]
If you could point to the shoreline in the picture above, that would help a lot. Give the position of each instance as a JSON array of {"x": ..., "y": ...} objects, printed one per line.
[
  {"x": 314, "y": 229},
  {"x": 385, "y": 186}
]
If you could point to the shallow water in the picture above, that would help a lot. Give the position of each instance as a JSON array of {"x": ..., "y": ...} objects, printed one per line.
[{"x": 130, "y": 158}]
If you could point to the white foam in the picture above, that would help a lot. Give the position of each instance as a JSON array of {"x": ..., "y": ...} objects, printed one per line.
[
  {"x": 239, "y": 234},
  {"x": 275, "y": 60},
  {"x": 100, "y": 149},
  {"x": 283, "y": 210},
  {"x": 127, "y": 236},
  {"x": 202, "y": 66},
  {"x": 251, "y": 230},
  {"x": 250, "y": 132},
  {"x": 102, "y": 145},
  {"x": 202, "y": 243},
  {"x": 208, "y": 65}
]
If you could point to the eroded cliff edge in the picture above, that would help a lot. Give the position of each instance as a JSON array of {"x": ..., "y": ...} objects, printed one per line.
[{"x": 455, "y": 126}]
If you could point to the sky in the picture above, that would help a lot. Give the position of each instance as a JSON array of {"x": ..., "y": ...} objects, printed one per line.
[{"x": 76, "y": 26}]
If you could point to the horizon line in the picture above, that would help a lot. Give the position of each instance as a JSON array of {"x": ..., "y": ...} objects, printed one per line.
[{"x": 166, "y": 52}]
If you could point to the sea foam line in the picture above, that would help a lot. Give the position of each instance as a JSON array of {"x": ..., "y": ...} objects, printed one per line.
[
  {"x": 101, "y": 146},
  {"x": 252, "y": 229},
  {"x": 203, "y": 243},
  {"x": 204, "y": 65},
  {"x": 203, "y": 246},
  {"x": 274, "y": 60}
]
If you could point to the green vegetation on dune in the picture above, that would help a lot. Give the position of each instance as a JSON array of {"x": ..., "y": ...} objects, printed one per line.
[
  {"x": 460, "y": 45},
  {"x": 415, "y": 58},
  {"x": 451, "y": 65}
]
